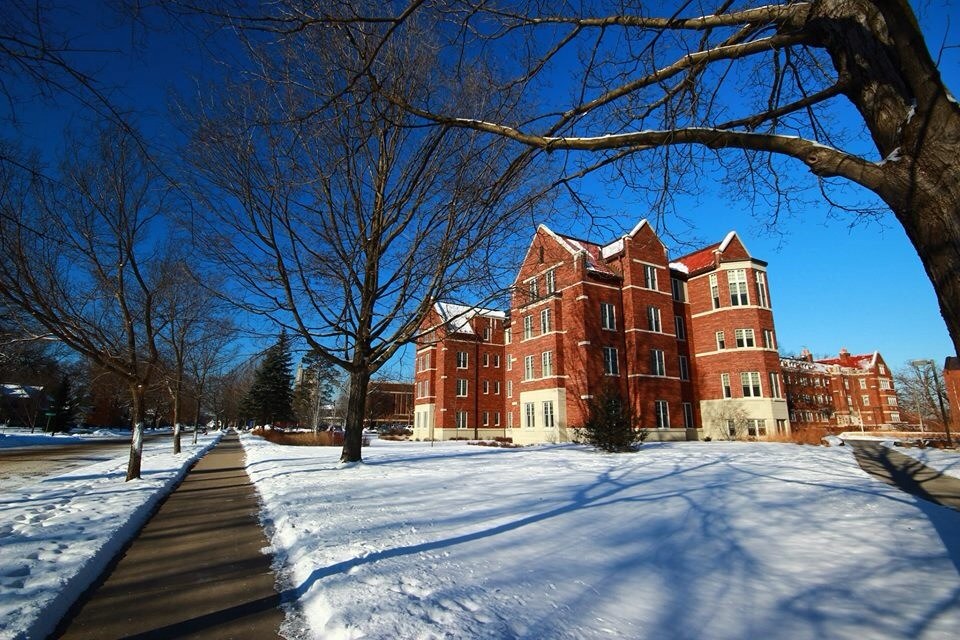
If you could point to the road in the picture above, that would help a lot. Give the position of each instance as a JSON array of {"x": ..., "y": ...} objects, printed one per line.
[{"x": 25, "y": 465}]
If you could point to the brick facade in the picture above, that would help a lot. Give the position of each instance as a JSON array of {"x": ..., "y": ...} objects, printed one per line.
[
  {"x": 584, "y": 316},
  {"x": 846, "y": 391}
]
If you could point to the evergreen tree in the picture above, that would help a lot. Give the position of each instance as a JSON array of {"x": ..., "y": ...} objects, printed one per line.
[
  {"x": 270, "y": 398},
  {"x": 63, "y": 406},
  {"x": 611, "y": 423}
]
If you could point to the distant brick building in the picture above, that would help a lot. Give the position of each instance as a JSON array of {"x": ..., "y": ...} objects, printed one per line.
[
  {"x": 690, "y": 343},
  {"x": 849, "y": 390},
  {"x": 951, "y": 380}
]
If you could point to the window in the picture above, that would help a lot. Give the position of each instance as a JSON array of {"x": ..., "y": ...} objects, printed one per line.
[
  {"x": 423, "y": 361},
  {"x": 608, "y": 316},
  {"x": 883, "y": 370},
  {"x": 894, "y": 417},
  {"x": 721, "y": 342},
  {"x": 781, "y": 426},
  {"x": 461, "y": 387},
  {"x": 509, "y": 359},
  {"x": 768, "y": 342},
  {"x": 653, "y": 319},
  {"x": 611, "y": 366},
  {"x": 750, "y": 383},
  {"x": 892, "y": 401},
  {"x": 548, "y": 420},
  {"x": 684, "y": 368},
  {"x": 550, "y": 279},
  {"x": 714, "y": 291},
  {"x": 725, "y": 385},
  {"x": 681, "y": 327},
  {"x": 510, "y": 419},
  {"x": 527, "y": 327},
  {"x": 658, "y": 366},
  {"x": 846, "y": 384},
  {"x": 545, "y": 321},
  {"x": 487, "y": 332},
  {"x": 732, "y": 428},
  {"x": 774, "y": 385},
  {"x": 676, "y": 287},
  {"x": 462, "y": 420},
  {"x": 486, "y": 418},
  {"x": 530, "y": 413},
  {"x": 662, "y": 412},
  {"x": 506, "y": 336},
  {"x": 496, "y": 361},
  {"x": 496, "y": 419},
  {"x": 486, "y": 386},
  {"x": 534, "y": 293},
  {"x": 756, "y": 427},
  {"x": 866, "y": 400},
  {"x": 509, "y": 388},
  {"x": 885, "y": 384},
  {"x": 687, "y": 415},
  {"x": 462, "y": 360},
  {"x": 649, "y": 276},
  {"x": 486, "y": 359},
  {"x": 744, "y": 338},
  {"x": 863, "y": 383},
  {"x": 737, "y": 279},
  {"x": 849, "y": 401},
  {"x": 762, "y": 299},
  {"x": 546, "y": 361},
  {"x": 528, "y": 368}
]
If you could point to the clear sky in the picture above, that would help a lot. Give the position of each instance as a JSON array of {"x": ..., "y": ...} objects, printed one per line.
[{"x": 832, "y": 285}]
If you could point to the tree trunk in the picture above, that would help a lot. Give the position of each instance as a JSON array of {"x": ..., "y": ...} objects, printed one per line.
[
  {"x": 176, "y": 416},
  {"x": 356, "y": 411},
  {"x": 136, "y": 441},
  {"x": 196, "y": 419}
]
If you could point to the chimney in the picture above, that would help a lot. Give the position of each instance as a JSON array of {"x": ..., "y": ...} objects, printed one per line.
[
  {"x": 844, "y": 357},
  {"x": 806, "y": 355}
]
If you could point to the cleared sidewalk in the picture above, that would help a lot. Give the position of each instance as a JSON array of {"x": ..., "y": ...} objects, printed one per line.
[
  {"x": 907, "y": 473},
  {"x": 196, "y": 570}
]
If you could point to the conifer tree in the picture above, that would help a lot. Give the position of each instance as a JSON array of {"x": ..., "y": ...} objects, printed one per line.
[{"x": 270, "y": 399}]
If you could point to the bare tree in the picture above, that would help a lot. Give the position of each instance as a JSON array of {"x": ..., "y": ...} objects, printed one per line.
[
  {"x": 79, "y": 257},
  {"x": 339, "y": 216},
  {"x": 756, "y": 89},
  {"x": 922, "y": 392}
]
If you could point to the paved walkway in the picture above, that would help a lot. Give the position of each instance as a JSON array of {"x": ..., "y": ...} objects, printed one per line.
[
  {"x": 907, "y": 473},
  {"x": 195, "y": 570}
]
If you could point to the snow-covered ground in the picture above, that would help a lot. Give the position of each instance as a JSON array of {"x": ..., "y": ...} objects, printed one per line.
[
  {"x": 57, "y": 535},
  {"x": 687, "y": 540},
  {"x": 15, "y": 438},
  {"x": 946, "y": 462}
]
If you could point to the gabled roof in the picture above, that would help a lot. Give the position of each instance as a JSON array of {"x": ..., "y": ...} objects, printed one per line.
[
  {"x": 705, "y": 258},
  {"x": 592, "y": 252},
  {"x": 457, "y": 316}
]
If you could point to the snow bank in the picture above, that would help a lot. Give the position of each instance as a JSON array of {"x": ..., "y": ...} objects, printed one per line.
[
  {"x": 58, "y": 535},
  {"x": 683, "y": 540}
]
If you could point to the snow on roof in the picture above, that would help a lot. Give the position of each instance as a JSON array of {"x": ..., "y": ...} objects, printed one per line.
[
  {"x": 865, "y": 361},
  {"x": 796, "y": 363},
  {"x": 612, "y": 249},
  {"x": 592, "y": 252},
  {"x": 20, "y": 391},
  {"x": 726, "y": 241},
  {"x": 458, "y": 316},
  {"x": 679, "y": 266}
]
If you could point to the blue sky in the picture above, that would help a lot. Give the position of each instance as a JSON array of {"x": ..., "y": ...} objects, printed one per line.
[{"x": 832, "y": 285}]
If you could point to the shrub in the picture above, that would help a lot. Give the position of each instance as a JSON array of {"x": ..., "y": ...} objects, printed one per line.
[
  {"x": 303, "y": 438},
  {"x": 611, "y": 423}
]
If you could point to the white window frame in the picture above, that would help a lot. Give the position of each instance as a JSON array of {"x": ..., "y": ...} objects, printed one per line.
[
  {"x": 680, "y": 327},
  {"x": 676, "y": 289},
  {"x": 653, "y": 319},
  {"x": 463, "y": 387},
  {"x": 509, "y": 388},
  {"x": 750, "y": 384},
  {"x": 661, "y": 409},
  {"x": 608, "y": 316},
  {"x": 737, "y": 282},
  {"x": 650, "y": 277},
  {"x": 550, "y": 281},
  {"x": 687, "y": 415},
  {"x": 463, "y": 419},
  {"x": 725, "y": 389},
  {"x": 769, "y": 342},
  {"x": 533, "y": 289},
  {"x": 546, "y": 364},
  {"x": 658, "y": 362},
  {"x": 721, "y": 341},
  {"x": 763, "y": 297},
  {"x": 527, "y": 327},
  {"x": 530, "y": 415},
  {"x": 611, "y": 361},
  {"x": 714, "y": 291},
  {"x": 549, "y": 418},
  {"x": 544, "y": 321},
  {"x": 684, "y": 367},
  {"x": 745, "y": 338},
  {"x": 528, "y": 368},
  {"x": 774, "y": 385},
  {"x": 463, "y": 360}
]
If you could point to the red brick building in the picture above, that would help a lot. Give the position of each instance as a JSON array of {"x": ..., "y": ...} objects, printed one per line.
[
  {"x": 951, "y": 380},
  {"x": 690, "y": 343},
  {"x": 849, "y": 390}
]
